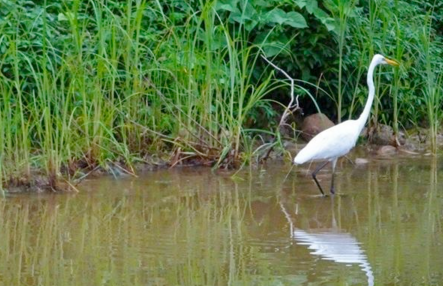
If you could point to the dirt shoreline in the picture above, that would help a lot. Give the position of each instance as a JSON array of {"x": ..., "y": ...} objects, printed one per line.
[{"x": 40, "y": 183}]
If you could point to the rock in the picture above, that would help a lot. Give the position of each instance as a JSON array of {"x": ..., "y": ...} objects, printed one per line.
[
  {"x": 381, "y": 135},
  {"x": 386, "y": 150},
  {"x": 314, "y": 124},
  {"x": 361, "y": 161},
  {"x": 384, "y": 135}
]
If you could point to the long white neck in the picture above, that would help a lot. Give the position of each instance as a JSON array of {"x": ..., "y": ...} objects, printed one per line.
[{"x": 364, "y": 116}]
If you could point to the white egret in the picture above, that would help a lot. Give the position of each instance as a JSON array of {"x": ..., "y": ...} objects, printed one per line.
[{"x": 338, "y": 140}]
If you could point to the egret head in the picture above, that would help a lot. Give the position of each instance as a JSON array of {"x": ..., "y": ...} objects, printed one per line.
[{"x": 379, "y": 59}]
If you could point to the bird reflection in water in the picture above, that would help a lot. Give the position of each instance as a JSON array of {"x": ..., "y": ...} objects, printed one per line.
[{"x": 331, "y": 244}]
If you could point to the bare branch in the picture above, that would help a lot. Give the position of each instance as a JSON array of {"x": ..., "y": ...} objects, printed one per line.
[{"x": 291, "y": 106}]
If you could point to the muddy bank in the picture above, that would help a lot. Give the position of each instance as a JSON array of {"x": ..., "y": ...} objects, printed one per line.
[{"x": 70, "y": 178}]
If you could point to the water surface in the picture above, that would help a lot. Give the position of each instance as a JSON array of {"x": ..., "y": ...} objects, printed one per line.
[{"x": 261, "y": 227}]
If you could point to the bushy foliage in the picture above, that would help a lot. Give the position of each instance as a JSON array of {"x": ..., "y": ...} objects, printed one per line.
[{"x": 100, "y": 81}]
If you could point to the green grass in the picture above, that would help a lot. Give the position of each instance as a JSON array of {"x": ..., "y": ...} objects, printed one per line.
[
  {"x": 112, "y": 93},
  {"x": 432, "y": 89},
  {"x": 409, "y": 97},
  {"x": 111, "y": 84}
]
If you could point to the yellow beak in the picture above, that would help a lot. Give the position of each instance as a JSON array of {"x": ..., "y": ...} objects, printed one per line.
[{"x": 392, "y": 62}]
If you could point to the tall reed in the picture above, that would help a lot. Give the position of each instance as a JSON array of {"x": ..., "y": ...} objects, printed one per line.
[
  {"x": 432, "y": 89},
  {"x": 105, "y": 84},
  {"x": 123, "y": 82},
  {"x": 341, "y": 10}
]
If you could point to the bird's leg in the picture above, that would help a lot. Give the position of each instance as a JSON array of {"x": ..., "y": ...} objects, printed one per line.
[
  {"x": 314, "y": 174},
  {"x": 334, "y": 162}
]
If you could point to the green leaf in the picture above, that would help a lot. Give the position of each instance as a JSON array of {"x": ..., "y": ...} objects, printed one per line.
[
  {"x": 320, "y": 14},
  {"x": 248, "y": 17},
  {"x": 227, "y": 5},
  {"x": 330, "y": 24},
  {"x": 296, "y": 20},
  {"x": 277, "y": 16},
  {"x": 311, "y": 6},
  {"x": 292, "y": 19},
  {"x": 300, "y": 3},
  {"x": 273, "y": 48},
  {"x": 61, "y": 17},
  {"x": 249, "y": 12},
  {"x": 263, "y": 3},
  {"x": 65, "y": 17},
  {"x": 250, "y": 25},
  {"x": 326, "y": 20}
]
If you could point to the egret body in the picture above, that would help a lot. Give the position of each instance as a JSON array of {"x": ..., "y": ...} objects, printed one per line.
[{"x": 338, "y": 140}]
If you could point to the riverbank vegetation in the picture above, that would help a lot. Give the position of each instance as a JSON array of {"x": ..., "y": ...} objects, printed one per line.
[{"x": 87, "y": 85}]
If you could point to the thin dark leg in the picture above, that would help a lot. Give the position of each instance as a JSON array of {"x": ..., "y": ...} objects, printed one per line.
[
  {"x": 314, "y": 174},
  {"x": 333, "y": 176}
]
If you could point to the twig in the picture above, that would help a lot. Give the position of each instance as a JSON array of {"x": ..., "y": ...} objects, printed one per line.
[
  {"x": 292, "y": 106},
  {"x": 79, "y": 180}
]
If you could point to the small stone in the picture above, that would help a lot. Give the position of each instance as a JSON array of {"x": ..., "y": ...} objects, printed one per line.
[
  {"x": 383, "y": 134},
  {"x": 386, "y": 150},
  {"x": 361, "y": 161}
]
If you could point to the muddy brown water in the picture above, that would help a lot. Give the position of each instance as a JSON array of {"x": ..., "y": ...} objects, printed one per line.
[{"x": 196, "y": 227}]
